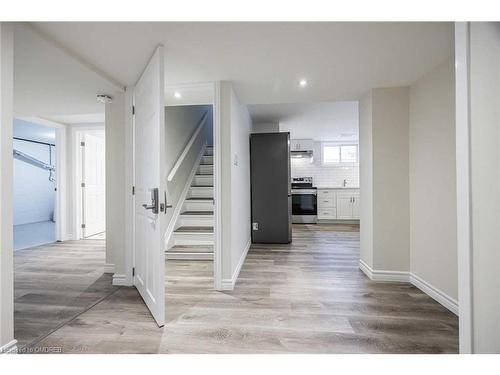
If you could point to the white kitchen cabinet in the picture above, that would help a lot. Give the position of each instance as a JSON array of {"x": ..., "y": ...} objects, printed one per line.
[
  {"x": 327, "y": 204},
  {"x": 348, "y": 205},
  {"x": 338, "y": 204},
  {"x": 344, "y": 206},
  {"x": 355, "y": 207},
  {"x": 301, "y": 144}
]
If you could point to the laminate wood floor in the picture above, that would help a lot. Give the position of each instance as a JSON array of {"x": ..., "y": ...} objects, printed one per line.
[
  {"x": 54, "y": 283},
  {"x": 306, "y": 297}
]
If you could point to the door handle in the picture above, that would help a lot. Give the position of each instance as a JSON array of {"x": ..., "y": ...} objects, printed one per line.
[
  {"x": 164, "y": 205},
  {"x": 154, "y": 201}
]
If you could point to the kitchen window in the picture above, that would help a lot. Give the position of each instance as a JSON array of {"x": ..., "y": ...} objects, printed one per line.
[{"x": 339, "y": 154}]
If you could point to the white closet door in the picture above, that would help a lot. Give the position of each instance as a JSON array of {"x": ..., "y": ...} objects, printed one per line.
[
  {"x": 149, "y": 122},
  {"x": 94, "y": 190}
]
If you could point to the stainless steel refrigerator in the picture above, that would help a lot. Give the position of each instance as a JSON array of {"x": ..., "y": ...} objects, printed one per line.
[{"x": 271, "y": 188}]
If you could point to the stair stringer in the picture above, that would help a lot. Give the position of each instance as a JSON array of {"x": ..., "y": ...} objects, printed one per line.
[{"x": 178, "y": 207}]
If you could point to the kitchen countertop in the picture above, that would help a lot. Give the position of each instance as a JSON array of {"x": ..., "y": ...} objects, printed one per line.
[{"x": 337, "y": 187}]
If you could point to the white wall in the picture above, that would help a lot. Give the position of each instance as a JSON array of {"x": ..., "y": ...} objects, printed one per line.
[
  {"x": 235, "y": 129},
  {"x": 241, "y": 127},
  {"x": 485, "y": 184},
  {"x": 6, "y": 241},
  {"x": 265, "y": 127},
  {"x": 34, "y": 194},
  {"x": 324, "y": 176},
  {"x": 387, "y": 131},
  {"x": 433, "y": 242},
  {"x": 115, "y": 183},
  {"x": 366, "y": 179}
]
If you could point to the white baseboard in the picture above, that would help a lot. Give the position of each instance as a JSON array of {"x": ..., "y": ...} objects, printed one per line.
[
  {"x": 120, "y": 280},
  {"x": 9, "y": 348},
  {"x": 228, "y": 284},
  {"x": 435, "y": 293},
  {"x": 182, "y": 198},
  {"x": 109, "y": 268},
  {"x": 383, "y": 275},
  {"x": 408, "y": 277}
]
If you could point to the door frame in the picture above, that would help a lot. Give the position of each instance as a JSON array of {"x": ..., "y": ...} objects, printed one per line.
[
  {"x": 77, "y": 132},
  {"x": 130, "y": 178}
]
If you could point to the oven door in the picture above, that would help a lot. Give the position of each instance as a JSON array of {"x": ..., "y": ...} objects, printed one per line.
[{"x": 304, "y": 206}]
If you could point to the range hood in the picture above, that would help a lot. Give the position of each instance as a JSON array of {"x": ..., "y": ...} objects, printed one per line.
[
  {"x": 302, "y": 154},
  {"x": 301, "y": 148}
]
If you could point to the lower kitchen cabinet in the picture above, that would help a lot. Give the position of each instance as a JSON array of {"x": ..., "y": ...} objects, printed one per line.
[{"x": 336, "y": 204}]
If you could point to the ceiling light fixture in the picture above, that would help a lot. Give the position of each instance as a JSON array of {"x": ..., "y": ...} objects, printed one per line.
[
  {"x": 303, "y": 82},
  {"x": 103, "y": 98},
  {"x": 177, "y": 94}
]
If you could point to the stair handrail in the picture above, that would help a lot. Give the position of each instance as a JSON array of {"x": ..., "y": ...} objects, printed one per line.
[{"x": 184, "y": 153}]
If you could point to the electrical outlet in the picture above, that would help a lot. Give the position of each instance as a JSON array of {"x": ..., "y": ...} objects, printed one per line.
[{"x": 255, "y": 226}]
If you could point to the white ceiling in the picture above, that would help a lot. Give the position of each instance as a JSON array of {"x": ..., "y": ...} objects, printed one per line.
[
  {"x": 337, "y": 121},
  {"x": 265, "y": 60},
  {"x": 51, "y": 84}
]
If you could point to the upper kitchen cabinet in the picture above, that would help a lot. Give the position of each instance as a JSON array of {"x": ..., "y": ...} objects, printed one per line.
[{"x": 301, "y": 145}]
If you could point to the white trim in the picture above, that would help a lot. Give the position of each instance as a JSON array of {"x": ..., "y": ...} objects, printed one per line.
[
  {"x": 464, "y": 222},
  {"x": 9, "y": 348},
  {"x": 435, "y": 293},
  {"x": 182, "y": 198},
  {"x": 120, "y": 280},
  {"x": 217, "y": 165},
  {"x": 186, "y": 150},
  {"x": 408, "y": 277},
  {"x": 109, "y": 268},
  {"x": 129, "y": 183},
  {"x": 383, "y": 275},
  {"x": 228, "y": 284}
]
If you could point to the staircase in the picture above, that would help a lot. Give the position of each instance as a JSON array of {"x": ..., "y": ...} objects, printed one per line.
[{"x": 193, "y": 238}]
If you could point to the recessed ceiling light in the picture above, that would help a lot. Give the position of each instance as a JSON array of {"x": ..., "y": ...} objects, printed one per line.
[
  {"x": 303, "y": 82},
  {"x": 177, "y": 94}
]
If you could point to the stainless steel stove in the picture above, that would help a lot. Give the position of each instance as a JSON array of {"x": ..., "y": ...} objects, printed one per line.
[{"x": 304, "y": 201}]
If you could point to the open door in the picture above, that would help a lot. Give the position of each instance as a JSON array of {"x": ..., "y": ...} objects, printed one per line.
[
  {"x": 150, "y": 190},
  {"x": 94, "y": 189}
]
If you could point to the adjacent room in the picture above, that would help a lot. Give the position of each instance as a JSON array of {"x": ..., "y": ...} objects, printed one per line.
[{"x": 34, "y": 184}]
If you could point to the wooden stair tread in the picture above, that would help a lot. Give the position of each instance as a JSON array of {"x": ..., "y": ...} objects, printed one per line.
[
  {"x": 200, "y": 199},
  {"x": 188, "y": 213},
  {"x": 194, "y": 230}
]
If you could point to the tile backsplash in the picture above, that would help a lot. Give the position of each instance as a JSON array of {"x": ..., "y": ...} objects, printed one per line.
[{"x": 325, "y": 176}]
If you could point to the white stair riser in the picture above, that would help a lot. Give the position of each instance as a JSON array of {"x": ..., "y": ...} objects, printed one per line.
[
  {"x": 193, "y": 239},
  {"x": 203, "y": 180},
  {"x": 206, "y": 169},
  {"x": 195, "y": 221},
  {"x": 200, "y": 193},
  {"x": 207, "y": 160},
  {"x": 198, "y": 206},
  {"x": 189, "y": 256},
  {"x": 209, "y": 152}
]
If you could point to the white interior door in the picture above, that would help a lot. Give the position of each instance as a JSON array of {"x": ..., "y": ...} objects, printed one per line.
[
  {"x": 93, "y": 192},
  {"x": 149, "y": 133}
]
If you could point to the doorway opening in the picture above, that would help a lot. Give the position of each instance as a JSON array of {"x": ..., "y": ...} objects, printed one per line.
[
  {"x": 190, "y": 251},
  {"x": 35, "y": 190},
  {"x": 90, "y": 182}
]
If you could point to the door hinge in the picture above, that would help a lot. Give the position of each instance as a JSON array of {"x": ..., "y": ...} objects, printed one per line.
[
  {"x": 133, "y": 109},
  {"x": 82, "y": 184},
  {"x": 133, "y": 190},
  {"x": 83, "y": 226},
  {"x": 133, "y": 271},
  {"x": 82, "y": 144}
]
